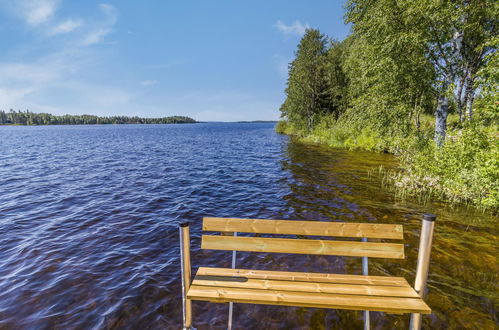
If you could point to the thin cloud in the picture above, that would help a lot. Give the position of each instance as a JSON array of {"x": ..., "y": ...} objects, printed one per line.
[
  {"x": 19, "y": 81},
  {"x": 149, "y": 82},
  {"x": 296, "y": 28},
  {"x": 108, "y": 9},
  {"x": 110, "y": 12},
  {"x": 11, "y": 96},
  {"x": 96, "y": 36},
  {"x": 32, "y": 83},
  {"x": 65, "y": 27},
  {"x": 39, "y": 16},
  {"x": 36, "y": 12}
]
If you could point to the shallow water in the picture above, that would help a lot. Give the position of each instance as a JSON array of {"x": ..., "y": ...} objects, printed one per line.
[{"x": 89, "y": 238}]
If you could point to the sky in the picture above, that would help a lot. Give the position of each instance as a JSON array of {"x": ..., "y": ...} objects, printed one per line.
[{"x": 210, "y": 60}]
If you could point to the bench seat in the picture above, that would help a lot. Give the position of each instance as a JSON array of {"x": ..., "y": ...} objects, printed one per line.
[{"x": 337, "y": 291}]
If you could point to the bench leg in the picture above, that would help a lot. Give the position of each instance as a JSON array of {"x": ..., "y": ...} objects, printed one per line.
[
  {"x": 423, "y": 264},
  {"x": 185, "y": 265},
  {"x": 365, "y": 271},
  {"x": 231, "y": 304}
]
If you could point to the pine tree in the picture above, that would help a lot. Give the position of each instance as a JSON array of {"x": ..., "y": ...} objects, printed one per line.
[{"x": 307, "y": 85}]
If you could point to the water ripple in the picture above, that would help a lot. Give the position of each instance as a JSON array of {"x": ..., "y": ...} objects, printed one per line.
[{"x": 89, "y": 215}]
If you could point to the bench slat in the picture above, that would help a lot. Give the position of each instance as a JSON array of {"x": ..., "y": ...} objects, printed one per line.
[
  {"x": 313, "y": 228},
  {"x": 306, "y": 277},
  {"x": 307, "y": 299},
  {"x": 280, "y": 285},
  {"x": 303, "y": 246}
]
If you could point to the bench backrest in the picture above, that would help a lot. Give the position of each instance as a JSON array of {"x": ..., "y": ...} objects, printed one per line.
[{"x": 303, "y": 246}]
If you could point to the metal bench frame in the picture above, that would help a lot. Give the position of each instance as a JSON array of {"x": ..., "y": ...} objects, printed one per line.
[{"x": 228, "y": 240}]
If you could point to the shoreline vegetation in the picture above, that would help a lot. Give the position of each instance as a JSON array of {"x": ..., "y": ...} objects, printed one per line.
[
  {"x": 256, "y": 121},
  {"x": 28, "y": 118},
  {"x": 415, "y": 79}
]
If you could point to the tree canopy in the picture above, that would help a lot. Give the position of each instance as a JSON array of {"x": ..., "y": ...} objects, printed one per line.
[
  {"x": 416, "y": 78},
  {"x": 307, "y": 84},
  {"x": 402, "y": 59}
]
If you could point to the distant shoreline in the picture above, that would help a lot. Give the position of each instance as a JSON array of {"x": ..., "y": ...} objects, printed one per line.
[
  {"x": 27, "y": 118},
  {"x": 109, "y": 124},
  {"x": 139, "y": 123}
]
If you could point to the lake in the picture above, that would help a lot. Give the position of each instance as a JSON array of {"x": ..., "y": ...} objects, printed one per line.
[{"x": 89, "y": 236}]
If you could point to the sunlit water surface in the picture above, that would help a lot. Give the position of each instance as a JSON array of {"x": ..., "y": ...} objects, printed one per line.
[{"x": 89, "y": 237}]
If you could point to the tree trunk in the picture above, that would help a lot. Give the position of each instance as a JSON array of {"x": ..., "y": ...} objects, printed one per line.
[
  {"x": 460, "y": 102},
  {"x": 443, "y": 101},
  {"x": 469, "y": 94},
  {"x": 441, "y": 119}
]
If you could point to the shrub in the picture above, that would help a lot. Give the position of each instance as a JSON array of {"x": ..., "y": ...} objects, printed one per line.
[{"x": 465, "y": 169}]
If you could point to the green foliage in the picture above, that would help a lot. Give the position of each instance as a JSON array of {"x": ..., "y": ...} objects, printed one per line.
[
  {"x": 280, "y": 127},
  {"x": 336, "y": 133},
  {"x": 307, "y": 84},
  {"x": 337, "y": 80},
  {"x": 406, "y": 74},
  {"x": 30, "y": 118},
  {"x": 488, "y": 78},
  {"x": 390, "y": 77},
  {"x": 465, "y": 169}
]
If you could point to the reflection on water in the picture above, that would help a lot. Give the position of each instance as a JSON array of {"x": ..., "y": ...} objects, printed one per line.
[
  {"x": 332, "y": 184},
  {"x": 88, "y": 217}
]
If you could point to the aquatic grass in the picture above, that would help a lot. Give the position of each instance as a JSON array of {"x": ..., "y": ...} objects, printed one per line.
[{"x": 464, "y": 171}]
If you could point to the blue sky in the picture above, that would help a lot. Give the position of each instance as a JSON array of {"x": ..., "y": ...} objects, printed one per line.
[{"x": 211, "y": 60}]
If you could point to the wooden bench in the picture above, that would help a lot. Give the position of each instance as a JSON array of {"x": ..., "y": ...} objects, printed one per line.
[{"x": 338, "y": 291}]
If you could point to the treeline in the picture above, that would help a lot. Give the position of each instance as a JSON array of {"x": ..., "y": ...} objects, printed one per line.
[
  {"x": 30, "y": 118},
  {"x": 404, "y": 63}
]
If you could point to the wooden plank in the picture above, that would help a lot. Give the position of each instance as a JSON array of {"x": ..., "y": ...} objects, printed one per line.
[
  {"x": 303, "y": 246},
  {"x": 305, "y": 277},
  {"x": 312, "y": 228},
  {"x": 281, "y": 285},
  {"x": 307, "y": 299}
]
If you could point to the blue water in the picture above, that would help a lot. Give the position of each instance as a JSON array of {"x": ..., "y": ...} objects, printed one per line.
[{"x": 89, "y": 215}]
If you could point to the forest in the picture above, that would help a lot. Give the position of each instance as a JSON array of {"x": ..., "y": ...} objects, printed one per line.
[
  {"x": 30, "y": 118},
  {"x": 418, "y": 79}
]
